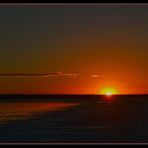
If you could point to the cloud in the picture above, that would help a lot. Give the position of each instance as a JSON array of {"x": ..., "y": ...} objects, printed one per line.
[
  {"x": 54, "y": 74},
  {"x": 97, "y": 76}
]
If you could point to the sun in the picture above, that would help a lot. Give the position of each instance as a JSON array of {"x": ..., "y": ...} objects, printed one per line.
[
  {"x": 108, "y": 94},
  {"x": 108, "y": 91}
]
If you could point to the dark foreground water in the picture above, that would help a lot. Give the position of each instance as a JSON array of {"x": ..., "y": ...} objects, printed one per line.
[{"x": 73, "y": 118}]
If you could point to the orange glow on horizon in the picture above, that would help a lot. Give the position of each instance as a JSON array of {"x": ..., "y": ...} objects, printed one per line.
[{"x": 108, "y": 91}]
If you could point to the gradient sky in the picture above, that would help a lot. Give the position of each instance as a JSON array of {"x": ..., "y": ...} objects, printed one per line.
[{"x": 73, "y": 49}]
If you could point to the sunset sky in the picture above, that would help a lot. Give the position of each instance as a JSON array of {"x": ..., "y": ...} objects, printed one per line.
[{"x": 73, "y": 48}]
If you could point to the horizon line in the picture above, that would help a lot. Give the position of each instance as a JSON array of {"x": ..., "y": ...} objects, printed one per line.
[
  {"x": 65, "y": 94},
  {"x": 72, "y": 4}
]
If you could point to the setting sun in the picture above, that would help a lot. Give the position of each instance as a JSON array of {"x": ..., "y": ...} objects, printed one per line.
[
  {"x": 108, "y": 94},
  {"x": 108, "y": 91}
]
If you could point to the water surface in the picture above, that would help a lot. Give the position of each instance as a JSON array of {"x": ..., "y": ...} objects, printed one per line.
[{"x": 74, "y": 118}]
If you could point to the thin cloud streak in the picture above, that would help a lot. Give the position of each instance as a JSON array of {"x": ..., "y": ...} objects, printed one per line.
[
  {"x": 97, "y": 76},
  {"x": 55, "y": 74}
]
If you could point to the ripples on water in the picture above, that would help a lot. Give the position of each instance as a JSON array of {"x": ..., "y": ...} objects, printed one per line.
[
  {"x": 23, "y": 110},
  {"x": 74, "y": 119}
]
